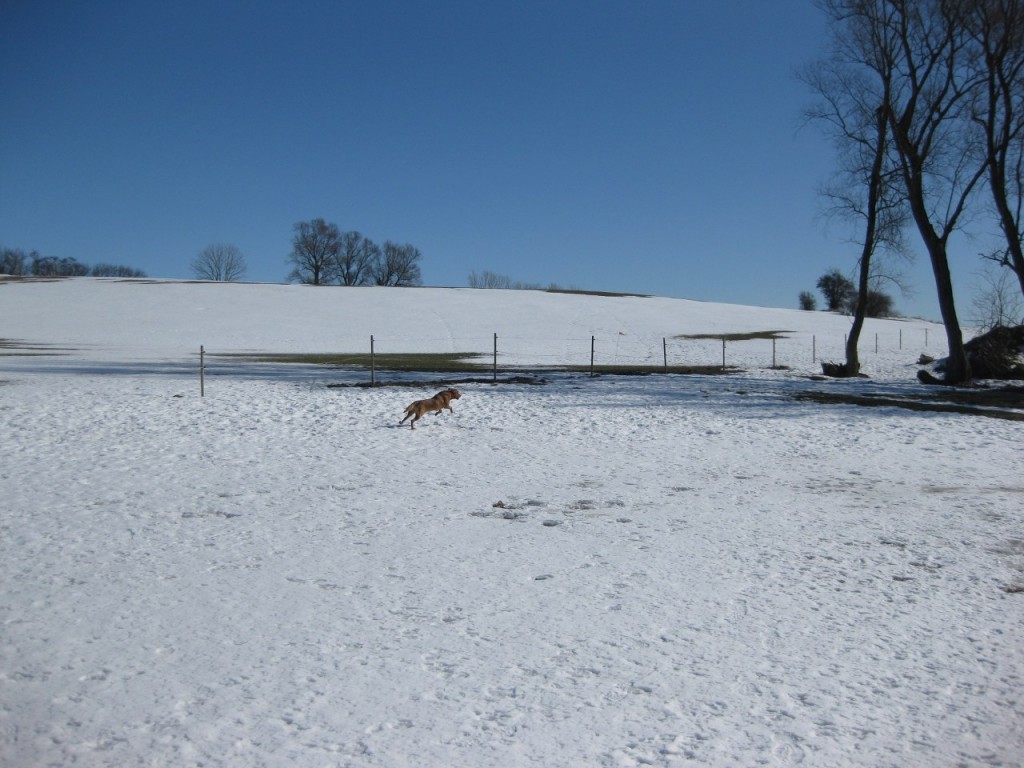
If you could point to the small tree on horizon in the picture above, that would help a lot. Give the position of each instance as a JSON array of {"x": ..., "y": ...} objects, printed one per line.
[{"x": 221, "y": 262}]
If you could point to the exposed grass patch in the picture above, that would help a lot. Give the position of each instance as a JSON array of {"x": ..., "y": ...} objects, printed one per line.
[
  {"x": 12, "y": 348},
  {"x": 611, "y": 294},
  {"x": 750, "y": 336},
  {"x": 447, "y": 381},
  {"x": 31, "y": 279},
  {"x": 455, "y": 363},
  {"x": 981, "y": 402},
  {"x": 647, "y": 370},
  {"x": 417, "y": 361}
]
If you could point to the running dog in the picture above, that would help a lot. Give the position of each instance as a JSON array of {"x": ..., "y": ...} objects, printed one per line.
[{"x": 437, "y": 403}]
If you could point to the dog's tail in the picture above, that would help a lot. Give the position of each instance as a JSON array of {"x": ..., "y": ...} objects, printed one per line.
[{"x": 409, "y": 411}]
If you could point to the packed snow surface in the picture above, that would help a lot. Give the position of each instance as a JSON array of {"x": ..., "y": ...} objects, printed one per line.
[{"x": 611, "y": 571}]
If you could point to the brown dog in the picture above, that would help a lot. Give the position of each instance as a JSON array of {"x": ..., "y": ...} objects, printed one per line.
[{"x": 437, "y": 403}]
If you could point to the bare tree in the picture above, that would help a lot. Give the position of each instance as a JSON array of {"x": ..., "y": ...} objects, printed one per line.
[
  {"x": 851, "y": 107},
  {"x": 114, "y": 270},
  {"x": 219, "y": 262},
  {"x": 356, "y": 258},
  {"x": 314, "y": 255},
  {"x": 488, "y": 279},
  {"x": 54, "y": 266},
  {"x": 917, "y": 52},
  {"x": 927, "y": 49},
  {"x": 998, "y": 302},
  {"x": 996, "y": 29},
  {"x": 397, "y": 265}
]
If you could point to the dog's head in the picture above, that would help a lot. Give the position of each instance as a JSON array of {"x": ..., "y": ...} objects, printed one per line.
[{"x": 455, "y": 394}]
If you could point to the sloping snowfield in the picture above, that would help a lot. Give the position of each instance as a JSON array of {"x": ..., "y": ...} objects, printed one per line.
[{"x": 609, "y": 571}]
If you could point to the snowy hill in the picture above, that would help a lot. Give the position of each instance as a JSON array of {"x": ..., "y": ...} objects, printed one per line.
[
  {"x": 110, "y": 319},
  {"x": 613, "y": 571}
]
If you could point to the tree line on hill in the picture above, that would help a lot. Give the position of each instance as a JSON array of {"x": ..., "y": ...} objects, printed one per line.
[
  {"x": 322, "y": 254},
  {"x": 14, "y": 261},
  {"x": 925, "y": 104}
]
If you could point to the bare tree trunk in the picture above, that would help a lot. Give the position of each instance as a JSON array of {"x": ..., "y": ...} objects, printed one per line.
[
  {"x": 958, "y": 367},
  {"x": 875, "y": 191}
]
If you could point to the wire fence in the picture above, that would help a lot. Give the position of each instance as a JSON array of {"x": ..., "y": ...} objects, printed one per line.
[
  {"x": 620, "y": 349},
  {"x": 597, "y": 352}
]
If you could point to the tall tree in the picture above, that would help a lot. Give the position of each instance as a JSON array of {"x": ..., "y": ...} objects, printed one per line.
[
  {"x": 220, "y": 262},
  {"x": 922, "y": 47},
  {"x": 851, "y": 108},
  {"x": 314, "y": 256},
  {"x": 397, "y": 265}
]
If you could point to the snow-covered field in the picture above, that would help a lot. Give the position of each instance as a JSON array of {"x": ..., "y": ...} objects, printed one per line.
[{"x": 681, "y": 570}]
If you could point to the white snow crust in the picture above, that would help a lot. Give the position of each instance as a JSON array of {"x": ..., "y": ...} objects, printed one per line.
[{"x": 682, "y": 570}]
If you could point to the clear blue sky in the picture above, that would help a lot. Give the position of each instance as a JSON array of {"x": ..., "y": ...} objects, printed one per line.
[{"x": 650, "y": 146}]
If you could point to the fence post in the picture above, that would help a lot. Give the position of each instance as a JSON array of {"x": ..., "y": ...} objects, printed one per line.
[
  {"x": 926, "y": 337},
  {"x": 814, "y": 349},
  {"x": 373, "y": 364},
  {"x": 723, "y": 353},
  {"x": 591, "y": 356},
  {"x": 664, "y": 352},
  {"x": 495, "y": 375},
  {"x": 202, "y": 371},
  {"x": 901, "y": 338},
  {"x": 773, "y": 353},
  {"x": 876, "y": 343}
]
